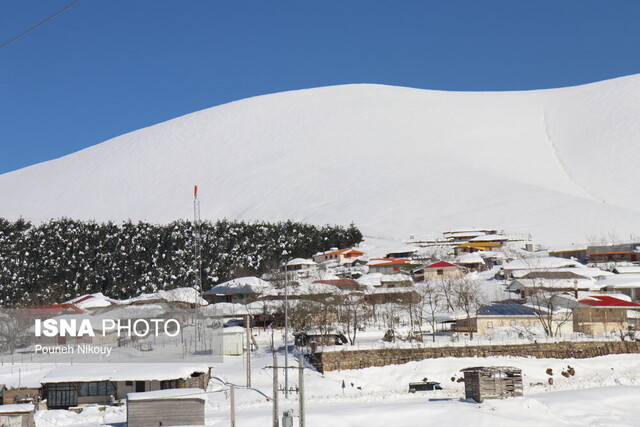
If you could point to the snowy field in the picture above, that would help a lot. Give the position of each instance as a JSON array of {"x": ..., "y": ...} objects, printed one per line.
[
  {"x": 603, "y": 392},
  {"x": 417, "y": 161}
]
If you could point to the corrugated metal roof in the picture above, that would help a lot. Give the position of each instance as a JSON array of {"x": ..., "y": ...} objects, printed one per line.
[{"x": 506, "y": 310}]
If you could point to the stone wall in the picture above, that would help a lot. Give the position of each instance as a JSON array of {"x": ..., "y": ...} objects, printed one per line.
[{"x": 358, "y": 359}]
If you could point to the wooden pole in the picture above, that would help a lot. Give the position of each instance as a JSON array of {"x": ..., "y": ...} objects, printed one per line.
[
  {"x": 233, "y": 406},
  {"x": 248, "y": 333},
  {"x": 301, "y": 387},
  {"x": 276, "y": 423}
]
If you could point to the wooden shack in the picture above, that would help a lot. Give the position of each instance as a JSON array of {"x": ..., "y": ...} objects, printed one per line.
[
  {"x": 492, "y": 382},
  {"x": 177, "y": 407},
  {"x": 17, "y": 415}
]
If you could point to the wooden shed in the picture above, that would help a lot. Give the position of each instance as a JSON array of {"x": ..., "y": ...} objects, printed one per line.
[
  {"x": 17, "y": 415},
  {"x": 492, "y": 382},
  {"x": 176, "y": 407}
]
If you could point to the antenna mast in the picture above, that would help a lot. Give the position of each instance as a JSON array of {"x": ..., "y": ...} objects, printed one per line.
[{"x": 197, "y": 259}]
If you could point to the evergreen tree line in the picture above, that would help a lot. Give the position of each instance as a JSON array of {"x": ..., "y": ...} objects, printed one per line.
[{"x": 60, "y": 259}]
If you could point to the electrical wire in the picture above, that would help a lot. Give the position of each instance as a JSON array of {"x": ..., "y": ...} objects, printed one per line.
[{"x": 50, "y": 17}]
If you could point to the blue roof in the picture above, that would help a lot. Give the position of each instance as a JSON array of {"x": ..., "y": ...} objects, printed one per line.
[{"x": 510, "y": 309}]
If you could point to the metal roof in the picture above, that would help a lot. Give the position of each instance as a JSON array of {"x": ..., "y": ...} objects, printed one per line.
[{"x": 510, "y": 309}]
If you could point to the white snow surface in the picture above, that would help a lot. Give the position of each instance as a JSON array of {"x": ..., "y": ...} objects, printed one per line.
[
  {"x": 558, "y": 163},
  {"x": 188, "y": 295},
  {"x": 174, "y": 393},
  {"x": 248, "y": 284}
]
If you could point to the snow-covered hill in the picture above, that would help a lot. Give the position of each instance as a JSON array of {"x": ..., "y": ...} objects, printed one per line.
[{"x": 560, "y": 164}]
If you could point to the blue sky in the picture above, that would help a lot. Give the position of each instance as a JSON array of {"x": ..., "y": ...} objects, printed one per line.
[{"x": 104, "y": 68}]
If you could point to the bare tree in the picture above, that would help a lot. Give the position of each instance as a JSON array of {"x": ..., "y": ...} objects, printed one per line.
[
  {"x": 431, "y": 302},
  {"x": 447, "y": 288},
  {"x": 352, "y": 313},
  {"x": 551, "y": 310},
  {"x": 468, "y": 297}
]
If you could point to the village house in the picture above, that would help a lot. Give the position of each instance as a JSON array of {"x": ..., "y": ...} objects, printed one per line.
[
  {"x": 600, "y": 314},
  {"x": 578, "y": 253},
  {"x": 104, "y": 384},
  {"x": 508, "y": 315},
  {"x": 627, "y": 284},
  {"x": 241, "y": 290},
  {"x": 535, "y": 282},
  {"x": 471, "y": 247},
  {"x": 390, "y": 265},
  {"x": 613, "y": 253},
  {"x": 341, "y": 256},
  {"x": 439, "y": 270},
  {"x": 300, "y": 264},
  {"x": 523, "y": 266},
  {"x": 472, "y": 261}
]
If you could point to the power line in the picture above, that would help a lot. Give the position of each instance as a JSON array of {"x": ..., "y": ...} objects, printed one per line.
[{"x": 39, "y": 24}]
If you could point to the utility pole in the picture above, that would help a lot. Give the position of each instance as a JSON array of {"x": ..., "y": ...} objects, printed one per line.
[
  {"x": 286, "y": 325},
  {"x": 276, "y": 422},
  {"x": 248, "y": 333},
  {"x": 301, "y": 389},
  {"x": 233, "y": 406}
]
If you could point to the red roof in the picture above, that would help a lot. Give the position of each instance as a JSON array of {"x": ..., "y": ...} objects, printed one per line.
[
  {"x": 607, "y": 301},
  {"x": 442, "y": 264},
  {"x": 339, "y": 282},
  {"x": 341, "y": 251}
]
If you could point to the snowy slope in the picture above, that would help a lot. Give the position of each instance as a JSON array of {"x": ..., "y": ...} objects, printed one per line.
[{"x": 560, "y": 164}]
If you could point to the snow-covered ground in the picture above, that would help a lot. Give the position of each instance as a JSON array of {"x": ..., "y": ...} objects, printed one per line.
[
  {"x": 559, "y": 164},
  {"x": 604, "y": 391}
]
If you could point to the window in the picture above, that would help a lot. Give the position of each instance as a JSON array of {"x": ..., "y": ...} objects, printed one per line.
[
  {"x": 440, "y": 272},
  {"x": 102, "y": 388},
  {"x": 128, "y": 383}
]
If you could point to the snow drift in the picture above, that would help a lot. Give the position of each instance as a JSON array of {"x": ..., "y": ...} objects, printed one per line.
[{"x": 559, "y": 163}]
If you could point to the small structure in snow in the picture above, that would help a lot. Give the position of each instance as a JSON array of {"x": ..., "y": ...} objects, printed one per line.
[
  {"x": 424, "y": 386},
  {"x": 175, "y": 407},
  {"x": 492, "y": 382},
  {"x": 317, "y": 337},
  {"x": 19, "y": 415}
]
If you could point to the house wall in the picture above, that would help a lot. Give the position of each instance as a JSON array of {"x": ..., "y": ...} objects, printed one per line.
[
  {"x": 9, "y": 396},
  {"x": 385, "y": 269},
  {"x": 599, "y": 320},
  {"x": 486, "y": 324},
  {"x": 165, "y": 412},
  {"x": 17, "y": 420},
  {"x": 446, "y": 273}
]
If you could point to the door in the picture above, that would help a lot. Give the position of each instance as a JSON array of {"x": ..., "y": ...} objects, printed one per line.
[{"x": 140, "y": 386}]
